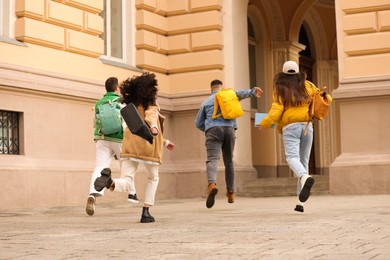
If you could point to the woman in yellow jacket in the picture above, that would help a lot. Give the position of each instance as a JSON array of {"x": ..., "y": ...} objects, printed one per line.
[{"x": 290, "y": 110}]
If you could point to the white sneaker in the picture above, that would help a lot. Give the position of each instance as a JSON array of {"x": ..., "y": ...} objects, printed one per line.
[
  {"x": 90, "y": 209},
  {"x": 306, "y": 183}
]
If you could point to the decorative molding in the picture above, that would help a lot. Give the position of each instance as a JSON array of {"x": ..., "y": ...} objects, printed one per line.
[
  {"x": 277, "y": 20},
  {"x": 29, "y": 79},
  {"x": 363, "y": 87},
  {"x": 182, "y": 102},
  {"x": 318, "y": 31},
  {"x": 356, "y": 159},
  {"x": 326, "y": 3},
  {"x": 107, "y": 61},
  {"x": 32, "y": 80}
]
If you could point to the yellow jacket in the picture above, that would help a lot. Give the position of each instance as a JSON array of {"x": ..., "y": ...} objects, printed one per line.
[{"x": 288, "y": 115}]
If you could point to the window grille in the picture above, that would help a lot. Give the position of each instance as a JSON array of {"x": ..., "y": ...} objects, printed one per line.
[{"x": 9, "y": 132}]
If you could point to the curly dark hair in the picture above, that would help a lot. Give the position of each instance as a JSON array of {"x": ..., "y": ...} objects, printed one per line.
[{"x": 140, "y": 90}]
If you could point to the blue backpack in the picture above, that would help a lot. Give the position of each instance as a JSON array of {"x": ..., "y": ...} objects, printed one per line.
[{"x": 109, "y": 117}]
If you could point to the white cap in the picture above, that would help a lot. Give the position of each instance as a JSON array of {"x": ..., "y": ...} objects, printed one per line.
[{"x": 290, "y": 67}]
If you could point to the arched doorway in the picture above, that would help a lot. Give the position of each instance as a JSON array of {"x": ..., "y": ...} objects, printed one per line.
[{"x": 306, "y": 63}]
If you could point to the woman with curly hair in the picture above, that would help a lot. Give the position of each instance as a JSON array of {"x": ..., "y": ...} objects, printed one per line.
[{"x": 141, "y": 91}]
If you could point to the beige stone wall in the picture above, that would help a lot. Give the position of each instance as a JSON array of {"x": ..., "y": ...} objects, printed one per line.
[
  {"x": 182, "y": 39},
  {"x": 363, "y": 98},
  {"x": 72, "y": 26},
  {"x": 365, "y": 38}
]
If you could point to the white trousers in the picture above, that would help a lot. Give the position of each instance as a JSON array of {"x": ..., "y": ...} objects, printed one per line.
[
  {"x": 126, "y": 182},
  {"x": 105, "y": 151}
]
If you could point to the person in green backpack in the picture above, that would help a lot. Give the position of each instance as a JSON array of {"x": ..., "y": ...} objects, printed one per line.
[{"x": 108, "y": 137}]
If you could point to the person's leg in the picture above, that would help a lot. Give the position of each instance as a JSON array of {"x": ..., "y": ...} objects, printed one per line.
[
  {"x": 306, "y": 181},
  {"x": 305, "y": 147},
  {"x": 128, "y": 171},
  {"x": 292, "y": 138},
  {"x": 214, "y": 140},
  {"x": 291, "y": 141},
  {"x": 103, "y": 160},
  {"x": 132, "y": 196},
  {"x": 227, "y": 154},
  {"x": 150, "y": 192},
  {"x": 152, "y": 183}
]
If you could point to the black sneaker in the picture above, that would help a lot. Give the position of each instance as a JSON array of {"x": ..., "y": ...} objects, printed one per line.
[
  {"x": 104, "y": 181},
  {"x": 299, "y": 208},
  {"x": 132, "y": 198},
  {"x": 306, "y": 183}
]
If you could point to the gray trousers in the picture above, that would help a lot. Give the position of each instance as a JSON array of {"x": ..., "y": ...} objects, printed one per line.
[{"x": 220, "y": 138}]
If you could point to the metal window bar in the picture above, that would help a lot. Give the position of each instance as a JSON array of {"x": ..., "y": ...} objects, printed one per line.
[{"x": 9, "y": 132}]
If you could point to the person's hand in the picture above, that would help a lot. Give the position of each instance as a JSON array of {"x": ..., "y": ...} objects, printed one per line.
[
  {"x": 259, "y": 91},
  {"x": 154, "y": 130},
  {"x": 171, "y": 146}
]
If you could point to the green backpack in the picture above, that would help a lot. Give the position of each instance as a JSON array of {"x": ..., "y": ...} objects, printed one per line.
[{"x": 109, "y": 117}]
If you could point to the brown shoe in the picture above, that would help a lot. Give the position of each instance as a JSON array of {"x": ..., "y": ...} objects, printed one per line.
[
  {"x": 211, "y": 191},
  {"x": 90, "y": 209},
  {"x": 230, "y": 196}
]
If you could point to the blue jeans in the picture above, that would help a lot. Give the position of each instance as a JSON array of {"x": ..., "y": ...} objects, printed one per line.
[
  {"x": 297, "y": 148},
  {"x": 217, "y": 138}
]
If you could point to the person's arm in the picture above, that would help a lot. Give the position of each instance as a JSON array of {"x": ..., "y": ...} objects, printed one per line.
[
  {"x": 248, "y": 93},
  {"x": 151, "y": 118},
  {"x": 168, "y": 144},
  {"x": 200, "y": 119},
  {"x": 273, "y": 116}
]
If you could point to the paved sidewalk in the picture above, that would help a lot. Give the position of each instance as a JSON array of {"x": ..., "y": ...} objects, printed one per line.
[{"x": 332, "y": 227}]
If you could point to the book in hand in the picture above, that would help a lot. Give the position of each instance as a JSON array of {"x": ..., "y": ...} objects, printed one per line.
[
  {"x": 135, "y": 123},
  {"x": 259, "y": 117}
]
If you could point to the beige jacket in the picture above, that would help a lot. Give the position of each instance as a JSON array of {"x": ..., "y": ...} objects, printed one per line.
[{"x": 136, "y": 147}]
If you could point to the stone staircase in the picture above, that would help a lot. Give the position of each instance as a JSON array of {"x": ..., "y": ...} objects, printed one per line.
[{"x": 277, "y": 187}]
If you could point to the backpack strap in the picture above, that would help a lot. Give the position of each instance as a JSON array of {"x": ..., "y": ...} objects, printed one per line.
[
  {"x": 311, "y": 110},
  {"x": 216, "y": 104}
]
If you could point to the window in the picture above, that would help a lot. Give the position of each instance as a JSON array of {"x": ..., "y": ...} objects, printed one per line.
[
  {"x": 118, "y": 33},
  {"x": 9, "y": 132},
  {"x": 113, "y": 27},
  {"x": 1, "y": 17},
  {"x": 7, "y": 22}
]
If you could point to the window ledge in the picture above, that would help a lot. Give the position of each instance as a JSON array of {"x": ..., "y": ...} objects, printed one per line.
[
  {"x": 12, "y": 41},
  {"x": 119, "y": 64}
]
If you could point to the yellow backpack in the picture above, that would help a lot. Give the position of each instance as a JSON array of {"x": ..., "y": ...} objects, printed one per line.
[{"x": 229, "y": 104}]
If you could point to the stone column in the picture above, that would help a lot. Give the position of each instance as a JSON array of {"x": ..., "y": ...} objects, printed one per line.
[
  {"x": 236, "y": 70},
  {"x": 326, "y": 148}
]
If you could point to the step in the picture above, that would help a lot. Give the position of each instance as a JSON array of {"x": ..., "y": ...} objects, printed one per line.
[{"x": 274, "y": 187}]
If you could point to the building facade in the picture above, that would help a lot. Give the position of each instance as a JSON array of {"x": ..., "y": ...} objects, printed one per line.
[{"x": 56, "y": 54}]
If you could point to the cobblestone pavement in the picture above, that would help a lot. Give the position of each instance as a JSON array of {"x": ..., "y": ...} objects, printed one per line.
[{"x": 332, "y": 227}]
